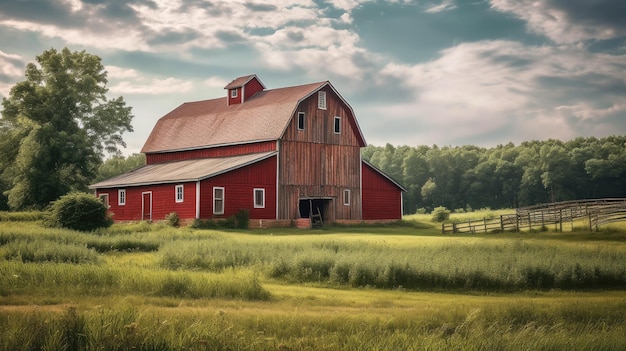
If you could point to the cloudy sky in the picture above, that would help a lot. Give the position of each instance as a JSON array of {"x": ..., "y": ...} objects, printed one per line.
[{"x": 444, "y": 72}]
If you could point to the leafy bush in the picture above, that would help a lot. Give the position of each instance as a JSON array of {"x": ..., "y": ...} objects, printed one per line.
[
  {"x": 440, "y": 214},
  {"x": 78, "y": 211},
  {"x": 26, "y": 216},
  {"x": 243, "y": 218},
  {"x": 172, "y": 219},
  {"x": 421, "y": 210}
]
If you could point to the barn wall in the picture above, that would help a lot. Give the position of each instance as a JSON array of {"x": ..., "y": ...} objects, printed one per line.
[
  {"x": 223, "y": 151},
  {"x": 238, "y": 191},
  {"x": 253, "y": 87},
  {"x": 317, "y": 162},
  {"x": 381, "y": 198},
  {"x": 163, "y": 202}
]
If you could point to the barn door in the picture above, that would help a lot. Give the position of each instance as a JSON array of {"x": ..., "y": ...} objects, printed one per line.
[{"x": 146, "y": 206}]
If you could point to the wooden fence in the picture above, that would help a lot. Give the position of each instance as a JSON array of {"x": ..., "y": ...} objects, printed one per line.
[{"x": 594, "y": 213}]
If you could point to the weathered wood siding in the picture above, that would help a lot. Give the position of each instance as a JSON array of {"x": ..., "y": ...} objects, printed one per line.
[
  {"x": 316, "y": 162},
  {"x": 222, "y": 151},
  {"x": 239, "y": 188},
  {"x": 382, "y": 199}
]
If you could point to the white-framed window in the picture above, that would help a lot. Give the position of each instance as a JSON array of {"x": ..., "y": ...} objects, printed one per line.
[
  {"x": 321, "y": 100},
  {"x": 180, "y": 193},
  {"x": 301, "y": 120},
  {"x": 259, "y": 198},
  {"x": 218, "y": 200},
  {"x": 121, "y": 197},
  {"x": 105, "y": 200},
  {"x": 346, "y": 197},
  {"x": 233, "y": 93},
  {"x": 337, "y": 125}
]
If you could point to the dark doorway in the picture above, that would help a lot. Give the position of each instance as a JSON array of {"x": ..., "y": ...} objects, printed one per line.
[{"x": 312, "y": 208}]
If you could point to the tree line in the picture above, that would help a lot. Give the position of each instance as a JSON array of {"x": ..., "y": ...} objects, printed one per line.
[{"x": 506, "y": 176}]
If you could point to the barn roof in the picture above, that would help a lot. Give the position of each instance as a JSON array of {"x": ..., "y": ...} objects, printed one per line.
[
  {"x": 181, "y": 171},
  {"x": 241, "y": 81},
  {"x": 211, "y": 123}
]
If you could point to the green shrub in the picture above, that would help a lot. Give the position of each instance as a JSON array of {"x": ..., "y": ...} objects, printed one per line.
[
  {"x": 243, "y": 218},
  {"x": 421, "y": 210},
  {"x": 440, "y": 214},
  {"x": 78, "y": 211},
  {"x": 172, "y": 219},
  {"x": 27, "y": 216}
]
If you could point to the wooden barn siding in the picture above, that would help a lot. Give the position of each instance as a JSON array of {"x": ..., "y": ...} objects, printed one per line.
[
  {"x": 253, "y": 87},
  {"x": 233, "y": 101},
  {"x": 238, "y": 191},
  {"x": 163, "y": 202},
  {"x": 223, "y": 151},
  {"x": 316, "y": 162},
  {"x": 381, "y": 198}
]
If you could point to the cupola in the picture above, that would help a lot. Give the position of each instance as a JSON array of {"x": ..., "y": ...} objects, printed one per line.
[{"x": 243, "y": 88}]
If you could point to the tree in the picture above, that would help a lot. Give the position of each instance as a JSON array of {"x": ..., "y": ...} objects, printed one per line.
[
  {"x": 56, "y": 127},
  {"x": 119, "y": 164}
]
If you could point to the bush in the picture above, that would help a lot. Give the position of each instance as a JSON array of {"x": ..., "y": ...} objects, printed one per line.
[
  {"x": 172, "y": 219},
  {"x": 78, "y": 211},
  {"x": 440, "y": 214},
  {"x": 243, "y": 218},
  {"x": 421, "y": 210}
]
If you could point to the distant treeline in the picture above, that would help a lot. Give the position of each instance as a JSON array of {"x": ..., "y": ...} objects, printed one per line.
[{"x": 471, "y": 177}]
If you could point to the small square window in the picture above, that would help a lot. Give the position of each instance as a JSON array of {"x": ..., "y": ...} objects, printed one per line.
[
  {"x": 233, "y": 93},
  {"x": 346, "y": 197},
  {"x": 121, "y": 197},
  {"x": 259, "y": 198},
  {"x": 321, "y": 100},
  {"x": 301, "y": 121},
  {"x": 337, "y": 125},
  {"x": 218, "y": 200},
  {"x": 180, "y": 193}
]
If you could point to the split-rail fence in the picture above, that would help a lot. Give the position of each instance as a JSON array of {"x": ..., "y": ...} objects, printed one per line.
[{"x": 593, "y": 213}]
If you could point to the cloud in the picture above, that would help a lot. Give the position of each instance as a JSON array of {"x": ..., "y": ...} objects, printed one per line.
[
  {"x": 445, "y": 5},
  {"x": 475, "y": 92},
  {"x": 11, "y": 69},
  {"x": 154, "y": 87},
  {"x": 569, "y": 21}
]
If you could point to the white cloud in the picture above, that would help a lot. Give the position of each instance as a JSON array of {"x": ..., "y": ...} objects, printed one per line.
[
  {"x": 114, "y": 72},
  {"x": 569, "y": 23},
  {"x": 155, "y": 87},
  {"x": 445, "y": 5},
  {"x": 491, "y": 87}
]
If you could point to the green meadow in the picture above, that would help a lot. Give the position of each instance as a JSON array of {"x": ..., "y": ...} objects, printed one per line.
[{"x": 402, "y": 286}]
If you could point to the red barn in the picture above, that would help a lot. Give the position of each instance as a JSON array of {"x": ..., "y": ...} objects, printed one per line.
[{"x": 284, "y": 154}]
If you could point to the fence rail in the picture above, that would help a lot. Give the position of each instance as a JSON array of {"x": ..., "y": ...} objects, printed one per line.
[{"x": 595, "y": 213}]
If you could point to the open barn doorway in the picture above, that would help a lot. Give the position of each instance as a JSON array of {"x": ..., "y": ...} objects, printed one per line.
[{"x": 318, "y": 210}]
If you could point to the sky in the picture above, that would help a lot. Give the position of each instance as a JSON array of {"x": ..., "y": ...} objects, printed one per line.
[{"x": 440, "y": 72}]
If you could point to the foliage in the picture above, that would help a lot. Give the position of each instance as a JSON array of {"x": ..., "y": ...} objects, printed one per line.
[
  {"x": 172, "y": 219},
  {"x": 243, "y": 218},
  {"x": 78, "y": 211},
  {"x": 56, "y": 126},
  {"x": 118, "y": 164},
  {"x": 505, "y": 176},
  {"x": 440, "y": 214},
  {"x": 25, "y": 216}
]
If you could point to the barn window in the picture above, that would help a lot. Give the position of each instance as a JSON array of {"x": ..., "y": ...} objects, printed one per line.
[
  {"x": 321, "y": 100},
  {"x": 346, "y": 197},
  {"x": 337, "y": 125},
  {"x": 301, "y": 121},
  {"x": 105, "y": 199},
  {"x": 218, "y": 200},
  {"x": 233, "y": 93},
  {"x": 180, "y": 193},
  {"x": 259, "y": 198},
  {"x": 121, "y": 197}
]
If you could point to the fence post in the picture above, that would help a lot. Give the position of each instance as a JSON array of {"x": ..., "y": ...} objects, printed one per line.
[
  {"x": 561, "y": 221},
  {"x": 501, "y": 224},
  {"x": 517, "y": 222}
]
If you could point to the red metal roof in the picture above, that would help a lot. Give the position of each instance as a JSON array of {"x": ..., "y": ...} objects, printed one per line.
[{"x": 210, "y": 123}]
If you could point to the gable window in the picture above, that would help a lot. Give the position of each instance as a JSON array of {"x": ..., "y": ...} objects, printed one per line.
[
  {"x": 233, "y": 93},
  {"x": 346, "y": 197},
  {"x": 321, "y": 100},
  {"x": 301, "y": 121},
  {"x": 259, "y": 198},
  {"x": 218, "y": 200},
  {"x": 180, "y": 193},
  {"x": 121, "y": 197},
  {"x": 337, "y": 125}
]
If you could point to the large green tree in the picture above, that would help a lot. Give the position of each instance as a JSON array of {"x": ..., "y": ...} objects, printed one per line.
[{"x": 56, "y": 127}]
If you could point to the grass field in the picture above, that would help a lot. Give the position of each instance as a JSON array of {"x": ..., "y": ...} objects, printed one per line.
[{"x": 396, "y": 287}]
